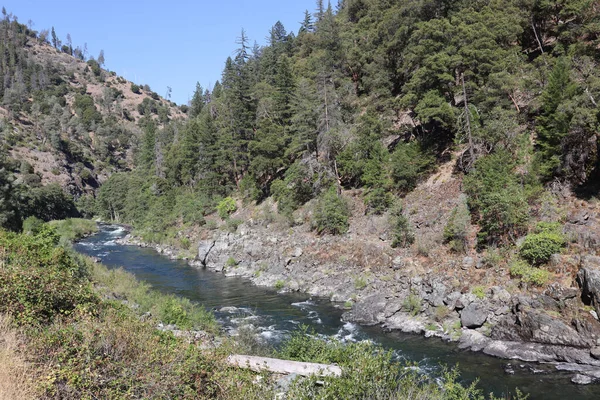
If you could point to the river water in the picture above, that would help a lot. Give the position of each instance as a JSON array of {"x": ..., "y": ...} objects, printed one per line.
[{"x": 276, "y": 315}]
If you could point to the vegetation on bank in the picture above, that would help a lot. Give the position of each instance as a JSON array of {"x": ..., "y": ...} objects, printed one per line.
[
  {"x": 73, "y": 229},
  {"x": 90, "y": 332},
  {"x": 376, "y": 96}
]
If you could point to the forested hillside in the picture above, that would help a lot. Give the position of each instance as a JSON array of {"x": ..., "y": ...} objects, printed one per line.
[
  {"x": 377, "y": 95},
  {"x": 66, "y": 123}
]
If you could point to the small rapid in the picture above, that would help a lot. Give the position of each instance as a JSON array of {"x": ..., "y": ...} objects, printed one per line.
[{"x": 238, "y": 305}]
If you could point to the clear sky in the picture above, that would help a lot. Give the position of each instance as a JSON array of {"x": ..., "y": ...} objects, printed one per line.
[{"x": 162, "y": 43}]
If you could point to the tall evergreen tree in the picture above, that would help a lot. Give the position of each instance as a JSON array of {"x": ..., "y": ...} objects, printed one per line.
[{"x": 555, "y": 118}]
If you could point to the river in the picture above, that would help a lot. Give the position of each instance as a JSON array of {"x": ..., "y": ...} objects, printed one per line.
[{"x": 276, "y": 315}]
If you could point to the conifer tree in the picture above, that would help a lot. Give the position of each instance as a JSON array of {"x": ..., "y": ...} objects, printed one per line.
[{"x": 555, "y": 118}]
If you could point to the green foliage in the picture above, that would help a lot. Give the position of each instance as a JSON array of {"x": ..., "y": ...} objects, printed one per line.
[
  {"x": 538, "y": 247},
  {"x": 279, "y": 285},
  {"x": 456, "y": 230},
  {"x": 553, "y": 124},
  {"x": 294, "y": 190},
  {"x": 73, "y": 229},
  {"x": 410, "y": 163},
  {"x": 412, "y": 304},
  {"x": 95, "y": 67},
  {"x": 368, "y": 372},
  {"x": 331, "y": 213},
  {"x": 479, "y": 292},
  {"x": 402, "y": 233},
  {"x": 86, "y": 110},
  {"x": 528, "y": 274},
  {"x": 32, "y": 225},
  {"x": 497, "y": 199},
  {"x": 38, "y": 280},
  {"x": 378, "y": 200},
  {"x": 226, "y": 207},
  {"x": 135, "y": 88}
]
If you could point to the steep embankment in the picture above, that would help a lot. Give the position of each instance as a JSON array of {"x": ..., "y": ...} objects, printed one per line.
[
  {"x": 66, "y": 119},
  {"x": 427, "y": 289}
]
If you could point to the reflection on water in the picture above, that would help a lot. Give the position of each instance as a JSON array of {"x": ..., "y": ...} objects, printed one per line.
[{"x": 236, "y": 302}]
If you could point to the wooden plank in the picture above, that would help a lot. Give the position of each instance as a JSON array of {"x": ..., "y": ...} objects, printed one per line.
[{"x": 260, "y": 364}]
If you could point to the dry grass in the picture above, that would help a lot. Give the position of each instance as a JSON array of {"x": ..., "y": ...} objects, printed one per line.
[{"x": 16, "y": 375}]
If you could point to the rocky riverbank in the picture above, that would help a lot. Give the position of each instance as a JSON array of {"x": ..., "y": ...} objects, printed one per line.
[{"x": 545, "y": 327}]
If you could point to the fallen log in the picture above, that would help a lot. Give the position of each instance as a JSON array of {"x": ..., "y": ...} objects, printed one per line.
[{"x": 260, "y": 364}]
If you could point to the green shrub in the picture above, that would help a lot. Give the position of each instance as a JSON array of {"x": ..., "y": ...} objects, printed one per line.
[
  {"x": 412, "y": 304},
  {"x": 135, "y": 88},
  {"x": 233, "y": 223},
  {"x": 479, "y": 292},
  {"x": 457, "y": 229},
  {"x": 331, "y": 213},
  {"x": 497, "y": 198},
  {"x": 378, "y": 200},
  {"x": 294, "y": 190},
  {"x": 231, "y": 262},
  {"x": 226, "y": 207},
  {"x": 402, "y": 233},
  {"x": 537, "y": 248},
  {"x": 368, "y": 372},
  {"x": 94, "y": 66},
  {"x": 528, "y": 274},
  {"x": 32, "y": 225},
  {"x": 40, "y": 280},
  {"x": 410, "y": 163},
  {"x": 73, "y": 229}
]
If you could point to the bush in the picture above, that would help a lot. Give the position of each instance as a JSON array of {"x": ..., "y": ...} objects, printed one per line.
[
  {"x": 331, "y": 213},
  {"x": 95, "y": 67},
  {"x": 368, "y": 372},
  {"x": 226, "y": 207},
  {"x": 39, "y": 280},
  {"x": 497, "y": 199},
  {"x": 73, "y": 229},
  {"x": 32, "y": 225},
  {"x": 457, "y": 229},
  {"x": 402, "y": 232},
  {"x": 410, "y": 163},
  {"x": 135, "y": 88},
  {"x": 378, "y": 200},
  {"x": 537, "y": 248},
  {"x": 528, "y": 274},
  {"x": 294, "y": 190},
  {"x": 412, "y": 304}
]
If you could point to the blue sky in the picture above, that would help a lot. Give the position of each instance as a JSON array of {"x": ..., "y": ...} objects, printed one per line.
[{"x": 162, "y": 43}]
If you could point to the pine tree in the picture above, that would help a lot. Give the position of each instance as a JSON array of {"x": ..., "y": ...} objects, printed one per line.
[
  {"x": 306, "y": 25},
  {"x": 54, "y": 38},
  {"x": 555, "y": 118},
  {"x": 198, "y": 101}
]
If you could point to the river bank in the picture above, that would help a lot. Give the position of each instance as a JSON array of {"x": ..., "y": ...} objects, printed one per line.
[{"x": 404, "y": 296}]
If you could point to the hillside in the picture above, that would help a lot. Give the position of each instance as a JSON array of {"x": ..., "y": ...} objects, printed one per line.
[
  {"x": 65, "y": 119},
  {"x": 433, "y": 165}
]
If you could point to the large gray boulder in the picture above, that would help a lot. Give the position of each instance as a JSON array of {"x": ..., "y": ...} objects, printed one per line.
[
  {"x": 589, "y": 280},
  {"x": 474, "y": 315}
]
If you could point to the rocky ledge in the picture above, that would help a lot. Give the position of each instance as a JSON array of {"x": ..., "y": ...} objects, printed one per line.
[{"x": 548, "y": 327}]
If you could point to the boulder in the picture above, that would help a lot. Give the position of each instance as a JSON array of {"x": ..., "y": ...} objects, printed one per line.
[
  {"x": 474, "y": 315},
  {"x": 369, "y": 311},
  {"x": 467, "y": 262},
  {"x": 451, "y": 299},
  {"x": 589, "y": 280},
  {"x": 204, "y": 249},
  {"x": 595, "y": 352},
  {"x": 582, "y": 379}
]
